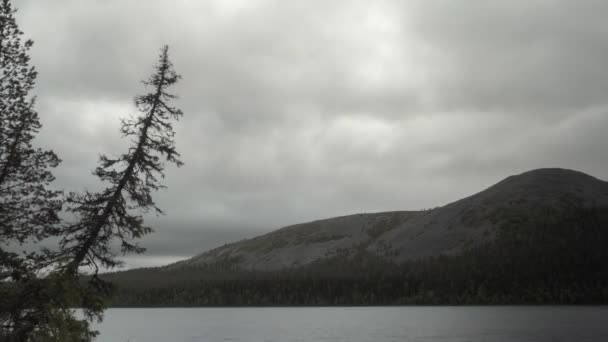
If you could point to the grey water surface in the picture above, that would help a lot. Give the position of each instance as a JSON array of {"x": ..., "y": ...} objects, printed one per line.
[{"x": 357, "y": 324}]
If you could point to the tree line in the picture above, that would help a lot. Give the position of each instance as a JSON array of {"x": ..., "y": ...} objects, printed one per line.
[
  {"x": 39, "y": 289},
  {"x": 554, "y": 256}
]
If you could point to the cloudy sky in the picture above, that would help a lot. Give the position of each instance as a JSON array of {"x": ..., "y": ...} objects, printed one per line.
[{"x": 300, "y": 110}]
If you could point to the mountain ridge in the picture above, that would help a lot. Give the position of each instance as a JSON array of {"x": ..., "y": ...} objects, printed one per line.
[
  {"x": 539, "y": 237},
  {"x": 400, "y": 236}
]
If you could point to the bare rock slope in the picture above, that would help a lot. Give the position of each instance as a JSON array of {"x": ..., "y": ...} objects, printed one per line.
[{"x": 407, "y": 235}]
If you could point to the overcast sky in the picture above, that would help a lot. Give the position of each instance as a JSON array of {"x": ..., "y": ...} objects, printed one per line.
[{"x": 300, "y": 110}]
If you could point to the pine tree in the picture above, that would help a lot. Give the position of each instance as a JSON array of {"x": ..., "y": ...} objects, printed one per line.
[
  {"x": 112, "y": 214},
  {"x": 37, "y": 306},
  {"x": 28, "y": 207},
  {"x": 116, "y": 212}
]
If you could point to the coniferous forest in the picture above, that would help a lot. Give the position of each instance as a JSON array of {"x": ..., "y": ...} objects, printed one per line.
[{"x": 556, "y": 257}]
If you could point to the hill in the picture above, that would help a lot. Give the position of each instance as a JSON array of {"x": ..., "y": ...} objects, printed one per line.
[
  {"x": 537, "y": 237},
  {"x": 407, "y": 235}
]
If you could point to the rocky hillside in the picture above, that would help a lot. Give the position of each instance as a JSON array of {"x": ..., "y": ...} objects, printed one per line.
[{"x": 408, "y": 235}]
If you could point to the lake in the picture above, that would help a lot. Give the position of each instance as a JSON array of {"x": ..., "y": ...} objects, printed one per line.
[{"x": 357, "y": 324}]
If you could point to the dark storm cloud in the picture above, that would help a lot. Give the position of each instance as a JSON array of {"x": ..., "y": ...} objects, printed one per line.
[{"x": 302, "y": 110}]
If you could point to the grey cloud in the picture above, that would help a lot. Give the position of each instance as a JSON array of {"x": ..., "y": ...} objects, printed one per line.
[
  {"x": 296, "y": 111},
  {"x": 270, "y": 57},
  {"x": 542, "y": 57}
]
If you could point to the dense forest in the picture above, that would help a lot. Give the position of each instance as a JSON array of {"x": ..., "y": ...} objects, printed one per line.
[{"x": 553, "y": 257}]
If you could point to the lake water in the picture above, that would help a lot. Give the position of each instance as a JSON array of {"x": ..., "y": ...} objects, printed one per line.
[{"x": 356, "y": 324}]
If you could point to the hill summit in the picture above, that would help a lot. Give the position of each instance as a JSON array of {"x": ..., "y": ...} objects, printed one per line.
[
  {"x": 409, "y": 235},
  {"x": 535, "y": 238}
]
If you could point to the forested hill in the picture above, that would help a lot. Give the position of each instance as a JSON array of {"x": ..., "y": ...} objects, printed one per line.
[
  {"x": 408, "y": 235},
  {"x": 538, "y": 237}
]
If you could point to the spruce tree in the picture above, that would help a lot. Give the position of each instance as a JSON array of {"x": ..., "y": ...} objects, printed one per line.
[
  {"x": 112, "y": 215},
  {"x": 39, "y": 290},
  {"x": 28, "y": 207},
  {"x": 115, "y": 213}
]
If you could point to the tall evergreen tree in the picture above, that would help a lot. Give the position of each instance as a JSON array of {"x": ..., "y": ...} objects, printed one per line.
[
  {"x": 110, "y": 215},
  {"x": 116, "y": 212},
  {"x": 37, "y": 306},
  {"x": 28, "y": 208}
]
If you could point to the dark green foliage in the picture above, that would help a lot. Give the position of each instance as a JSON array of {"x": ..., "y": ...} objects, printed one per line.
[{"x": 554, "y": 257}]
